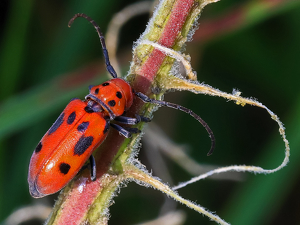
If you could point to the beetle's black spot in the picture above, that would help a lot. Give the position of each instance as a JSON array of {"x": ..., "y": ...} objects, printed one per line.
[
  {"x": 83, "y": 126},
  {"x": 105, "y": 84},
  {"x": 112, "y": 103},
  {"x": 71, "y": 118},
  {"x": 38, "y": 148},
  {"x": 57, "y": 124},
  {"x": 119, "y": 94},
  {"x": 97, "y": 91},
  {"x": 88, "y": 109},
  {"x": 83, "y": 144},
  {"x": 106, "y": 126},
  {"x": 64, "y": 168}
]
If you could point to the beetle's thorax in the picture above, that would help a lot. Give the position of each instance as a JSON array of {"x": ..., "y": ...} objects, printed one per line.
[{"x": 114, "y": 96}]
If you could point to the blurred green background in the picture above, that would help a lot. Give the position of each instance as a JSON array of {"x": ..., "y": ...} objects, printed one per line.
[{"x": 43, "y": 64}]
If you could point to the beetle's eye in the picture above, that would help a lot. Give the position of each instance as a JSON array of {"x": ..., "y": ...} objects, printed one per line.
[{"x": 90, "y": 87}]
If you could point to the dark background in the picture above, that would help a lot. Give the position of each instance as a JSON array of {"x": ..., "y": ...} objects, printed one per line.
[{"x": 260, "y": 57}]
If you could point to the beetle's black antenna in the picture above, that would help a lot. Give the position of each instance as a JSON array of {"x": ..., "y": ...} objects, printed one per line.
[
  {"x": 109, "y": 67},
  {"x": 145, "y": 98}
]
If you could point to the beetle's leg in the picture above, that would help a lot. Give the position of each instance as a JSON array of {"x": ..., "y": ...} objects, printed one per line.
[
  {"x": 133, "y": 130},
  {"x": 126, "y": 132},
  {"x": 132, "y": 121},
  {"x": 93, "y": 167}
]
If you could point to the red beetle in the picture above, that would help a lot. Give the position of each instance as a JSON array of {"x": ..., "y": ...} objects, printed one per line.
[{"x": 83, "y": 126}]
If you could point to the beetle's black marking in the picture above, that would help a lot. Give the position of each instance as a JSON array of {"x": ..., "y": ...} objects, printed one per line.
[
  {"x": 88, "y": 109},
  {"x": 38, "y": 147},
  {"x": 106, "y": 126},
  {"x": 83, "y": 126},
  {"x": 71, "y": 118},
  {"x": 97, "y": 91},
  {"x": 119, "y": 94},
  {"x": 83, "y": 144},
  {"x": 112, "y": 103},
  {"x": 64, "y": 168},
  {"x": 57, "y": 124},
  {"x": 105, "y": 84}
]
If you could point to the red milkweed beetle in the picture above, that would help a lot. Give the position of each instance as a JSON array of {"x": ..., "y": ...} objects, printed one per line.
[{"x": 83, "y": 126}]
